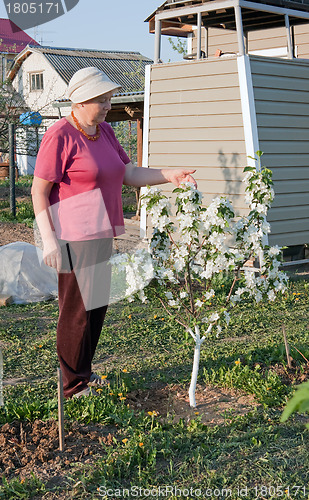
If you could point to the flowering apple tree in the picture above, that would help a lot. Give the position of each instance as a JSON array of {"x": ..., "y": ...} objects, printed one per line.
[{"x": 194, "y": 251}]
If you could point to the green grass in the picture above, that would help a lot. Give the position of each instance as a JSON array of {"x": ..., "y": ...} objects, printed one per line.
[{"x": 245, "y": 451}]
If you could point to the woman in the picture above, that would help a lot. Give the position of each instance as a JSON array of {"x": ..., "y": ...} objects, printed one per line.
[{"x": 76, "y": 196}]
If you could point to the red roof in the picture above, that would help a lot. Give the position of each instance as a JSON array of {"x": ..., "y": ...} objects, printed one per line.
[{"x": 12, "y": 39}]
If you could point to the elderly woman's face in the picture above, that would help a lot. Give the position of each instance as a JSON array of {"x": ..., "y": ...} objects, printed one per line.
[{"x": 97, "y": 108}]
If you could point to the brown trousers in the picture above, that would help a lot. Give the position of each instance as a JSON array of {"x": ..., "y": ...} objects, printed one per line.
[{"x": 80, "y": 324}]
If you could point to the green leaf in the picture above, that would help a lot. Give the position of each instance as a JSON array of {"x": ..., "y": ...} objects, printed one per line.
[{"x": 298, "y": 403}]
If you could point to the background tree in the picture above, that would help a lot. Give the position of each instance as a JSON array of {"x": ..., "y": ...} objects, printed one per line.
[{"x": 11, "y": 106}]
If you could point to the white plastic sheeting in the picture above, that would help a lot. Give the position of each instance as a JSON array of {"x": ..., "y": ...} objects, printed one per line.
[{"x": 23, "y": 274}]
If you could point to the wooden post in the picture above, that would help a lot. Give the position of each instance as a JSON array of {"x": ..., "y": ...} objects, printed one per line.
[
  {"x": 130, "y": 137},
  {"x": 139, "y": 142},
  {"x": 199, "y": 35},
  {"x": 157, "y": 53},
  {"x": 240, "y": 31},
  {"x": 288, "y": 35},
  {"x": 60, "y": 411},
  {"x": 287, "y": 348},
  {"x": 1, "y": 378},
  {"x": 139, "y": 163}
]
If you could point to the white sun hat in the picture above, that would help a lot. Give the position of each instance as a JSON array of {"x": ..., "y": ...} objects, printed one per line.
[{"x": 88, "y": 83}]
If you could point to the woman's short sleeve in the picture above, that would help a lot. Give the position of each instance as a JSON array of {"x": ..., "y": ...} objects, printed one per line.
[{"x": 52, "y": 157}]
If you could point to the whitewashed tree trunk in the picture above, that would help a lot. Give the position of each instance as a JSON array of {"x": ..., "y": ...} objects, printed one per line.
[{"x": 196, "y": 362}]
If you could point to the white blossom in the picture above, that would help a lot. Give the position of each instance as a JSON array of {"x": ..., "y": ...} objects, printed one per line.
[
  {"x": 227, "y": 317},
  {"x": 275, "y": 250},
  {"x": 208, "y": 295},
  {"x": 271, "y": 295}
]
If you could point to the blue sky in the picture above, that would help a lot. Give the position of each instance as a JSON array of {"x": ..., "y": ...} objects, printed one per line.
[{"x": 98, "y": 24}]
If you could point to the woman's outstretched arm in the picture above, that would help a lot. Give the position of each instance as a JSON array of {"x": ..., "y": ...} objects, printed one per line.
[{"x": 139, "y": 176}]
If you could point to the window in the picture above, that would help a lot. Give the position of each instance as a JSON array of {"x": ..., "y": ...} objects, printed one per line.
[{"x": 36, "y": 81}]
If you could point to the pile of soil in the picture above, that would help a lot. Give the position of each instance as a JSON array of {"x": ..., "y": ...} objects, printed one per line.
[
  {"x": 27, "y": 448},
  {"x": 214, "y": 405}
]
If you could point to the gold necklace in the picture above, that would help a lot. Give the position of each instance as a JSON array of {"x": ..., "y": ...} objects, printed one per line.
[{"x": 90, "y": 137}]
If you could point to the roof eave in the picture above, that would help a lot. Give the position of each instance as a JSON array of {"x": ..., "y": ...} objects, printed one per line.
[
  {"x": 18, "y": 60},
  {"x": 121, "y": 99}
]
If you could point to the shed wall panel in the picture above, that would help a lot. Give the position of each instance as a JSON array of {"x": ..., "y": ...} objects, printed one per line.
[
  {"x": 287, "y": 239},
  {"x": 200, "y": 121},
  {"x": 196, "y": 109},
  {"x": 195, "y": 120},
  {"x": 281, "y": 94}
]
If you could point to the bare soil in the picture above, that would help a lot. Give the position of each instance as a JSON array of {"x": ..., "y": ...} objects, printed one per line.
[
  {"x": 27, "y": 448},
  {"x": 10, "y": 232},
  {"x": 33, "y": 448}
]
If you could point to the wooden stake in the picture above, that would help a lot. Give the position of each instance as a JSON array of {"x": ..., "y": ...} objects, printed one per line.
[
  {"x": 287, "y": 348},
  {"x": 60, "y": 411}
]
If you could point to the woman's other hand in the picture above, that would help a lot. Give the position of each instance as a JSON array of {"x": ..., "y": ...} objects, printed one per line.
[{"x": 52, "y": 254}]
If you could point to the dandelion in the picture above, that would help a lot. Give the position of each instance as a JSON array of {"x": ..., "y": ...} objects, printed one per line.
[
  {"x": 111, "y": 393},
  {"x": 130, "y": 316},
  {"x": 125, "y": 370},
  {"x": 103, "y": 377},
  {"x": 155, "y": 316},
  {"x": 120, "y": 394},
  {"x": 40, "y": 345},
  {"x": 122, "y": 399},
  {"x": 141, "y": 444},
  {"x": 196, "y": 412},
  {"x": 99, "y": 390},
  {"x": 237, "y": 362},
  {"x": 125, "y": 440}
]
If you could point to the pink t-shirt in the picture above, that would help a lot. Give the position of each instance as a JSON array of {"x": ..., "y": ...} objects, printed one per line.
[{"x": 88, "y": 176}]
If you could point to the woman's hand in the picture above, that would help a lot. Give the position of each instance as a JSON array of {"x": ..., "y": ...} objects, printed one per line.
[
  {"x": 52, "y": 254},
  {"x": 180, "y": 175}
]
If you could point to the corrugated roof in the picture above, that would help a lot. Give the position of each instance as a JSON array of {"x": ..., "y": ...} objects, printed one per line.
[
  {"x": 139, "y": 93},
  {"x": 125, "y": 68},
  {"x": 12, "y": 39}
]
